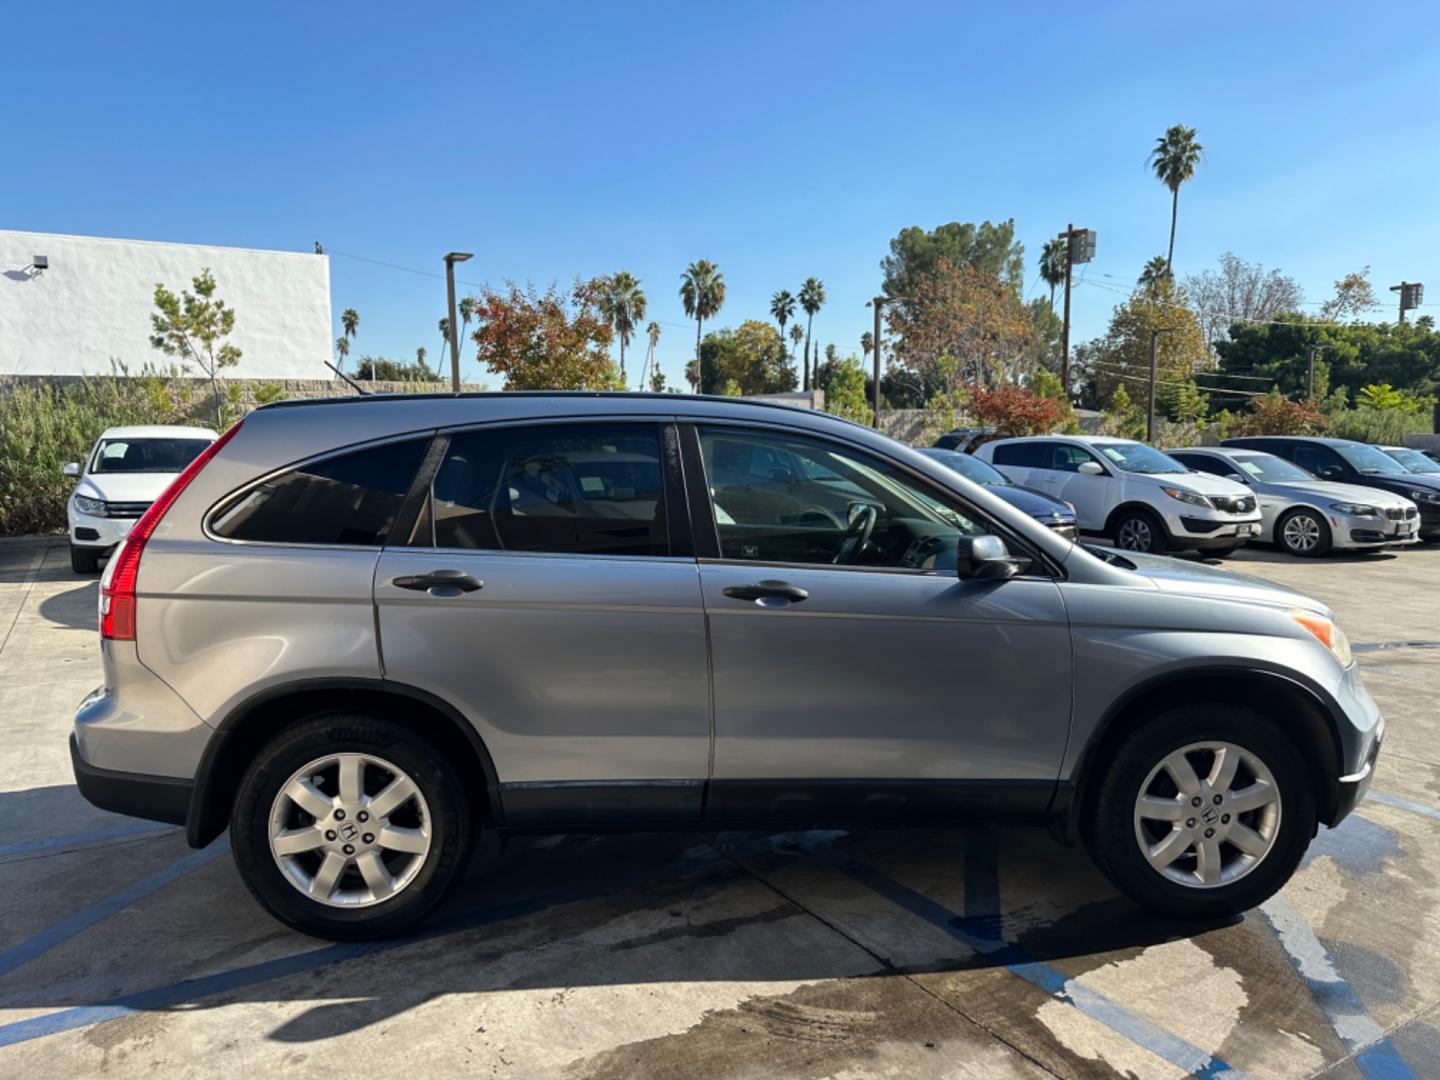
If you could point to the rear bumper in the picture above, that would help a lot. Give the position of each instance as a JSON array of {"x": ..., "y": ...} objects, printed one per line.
[{"x": 156, "y": 798}]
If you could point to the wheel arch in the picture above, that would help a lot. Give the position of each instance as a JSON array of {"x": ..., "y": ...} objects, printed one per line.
[
  {"x": 1299, "y": 711},
  {"x": 247, "y": 727},
  {"x": 1113, "y": 519}
]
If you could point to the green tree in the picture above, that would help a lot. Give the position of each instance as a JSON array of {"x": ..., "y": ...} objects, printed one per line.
[
  {"x": 1156, "y": 271},
  {"x": 796, "y": 336},
  {"x": 444, "y": 327},
  {"x": 466, "y": 308},
  {"x": 622, "y": 302},
  {"x": 350, "y": 322},
  {"x": 1053, "y": 257},
  {"x": 752, "y": 357},
  {"x": 844, "y": 386},
  {"x": 812, "y": 299},
  {"x": 915, "y": 254},
  {"x": 782, "y": 309},
  {"x": 420, "y": 362},
  {"x": 867, "y": 343},
  {"x": 193, "y": 327},
  {"x": 1173, "y": 159},
  {"x": 702, "y": 291},
  {"x": 1122, "y": 356}
]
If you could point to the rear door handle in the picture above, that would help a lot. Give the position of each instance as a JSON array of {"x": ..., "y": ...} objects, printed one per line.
[
  {"x": 439, "y": 582},
  {"x": 767, "y": 590}
]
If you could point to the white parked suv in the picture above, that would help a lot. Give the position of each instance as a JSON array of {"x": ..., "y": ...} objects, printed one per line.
[
  {"x": 1120, "y": 488},
  {"x": 125, "y": 471}
]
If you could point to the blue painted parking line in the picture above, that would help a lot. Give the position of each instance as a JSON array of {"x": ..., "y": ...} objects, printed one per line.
[
  {"x": 1403, "y": 804},
  {"x": 1362, "y": 1036},
  {"x": 134, "y": 828},
  {"x": 190, "y": 991},
  {"x": 38, "y": 944},
  {"x": 980, "y": 929}
]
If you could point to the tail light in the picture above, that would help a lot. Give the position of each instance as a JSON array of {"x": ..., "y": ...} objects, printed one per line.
[{"x": 117, "y": 588}]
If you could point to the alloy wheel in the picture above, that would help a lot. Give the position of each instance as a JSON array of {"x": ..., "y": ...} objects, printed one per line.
[
  {"x": 350, "y": 830},
  {"x": 1207, "y": 814},
  {"x": 1302, "y": 533},
  {"x": 1135, "y": 534}
]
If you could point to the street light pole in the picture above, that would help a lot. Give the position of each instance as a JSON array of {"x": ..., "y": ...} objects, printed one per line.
[
  {"x": 878, "y": 303},
  {"x": 1314, "y": 350},
  {"x": 1150, "y": 415},
  {"x": 450, "y": 260},
  {"x": 1065, "y": 334}
]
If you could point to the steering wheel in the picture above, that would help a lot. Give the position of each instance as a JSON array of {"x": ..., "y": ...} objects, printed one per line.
[
  {"x": 809, "y": 514},
  {"x": 857, "y": 533}
]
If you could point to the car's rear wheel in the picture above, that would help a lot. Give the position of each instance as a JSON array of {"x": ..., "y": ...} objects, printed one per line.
[
  {"x": 83, "y": 561},
  {"x": 348, "y": 826},
  {"x": 1140, "y": 530},
  {"x": 1205, "y": 811},
  {"x": 1304, "y": 533}
]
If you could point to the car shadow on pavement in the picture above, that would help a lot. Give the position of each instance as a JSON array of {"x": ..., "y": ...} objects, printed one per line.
[
  {"x": 73, "y": 608},
  {"x": 558, "y": 913}
]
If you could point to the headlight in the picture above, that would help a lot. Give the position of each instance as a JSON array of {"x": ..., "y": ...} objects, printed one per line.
[
  {"x": 1186, "y": 496},
  {"x": 87, "y": 505},
  {"x": 1327, "y": 633},
  {"x": 1355, "y": 509},
  {"x": 1430, "y": 498},
  {"x": 1069, "y": 506}
]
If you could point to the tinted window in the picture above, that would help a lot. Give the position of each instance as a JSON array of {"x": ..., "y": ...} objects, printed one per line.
[
  {"x": 1067, "y": 458},
  {"x": 815, "y": 501},
  {"x": 1368, "y": 461},
  {"x": 1204, "y": 463},
  {"x": 349, "y": 499},
  {"x": 1028, "y": 455},
  {"x": 972, "y": 468},
  {"x": 146, "y": 455},
  {"x": 591, "y": 489},
  {"x": 1313, "y": 457}
]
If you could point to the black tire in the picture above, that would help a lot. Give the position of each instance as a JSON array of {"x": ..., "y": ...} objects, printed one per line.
[
  {"x": 1111, "y": 829},
  {"x": 1318, "y": 527},
  {"x": 1143, "y": 523},
  {"x": 83, "y": 561},
  {"x": 308, "y": 740}
]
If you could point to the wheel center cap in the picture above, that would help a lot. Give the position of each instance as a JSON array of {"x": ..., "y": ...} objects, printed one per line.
[
  {"x": 348, "y": 831},
  {"x": 1210, "y": 815}
]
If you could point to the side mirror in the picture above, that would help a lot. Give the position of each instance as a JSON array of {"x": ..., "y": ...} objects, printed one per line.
[
  {"x": 1090, "y": 468},
  {"x": 1238, "y": 478},
  {"x": 1331, "y": 472},
  {"x": 71, "y": 468},
  {"x": 984, "y": 558}
]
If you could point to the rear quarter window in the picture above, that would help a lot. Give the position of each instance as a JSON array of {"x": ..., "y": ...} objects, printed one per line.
[
  {"x": 349, "y": 499},
  {"x": 1034, "y": 455}
]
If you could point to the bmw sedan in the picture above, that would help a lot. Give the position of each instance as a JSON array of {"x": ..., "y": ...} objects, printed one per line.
[{"x": 1051, "y": 512}]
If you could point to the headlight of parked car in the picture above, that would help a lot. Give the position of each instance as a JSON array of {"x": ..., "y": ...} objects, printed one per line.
[
  {"x": 1430, "y": 498},
  {"x": 87, "y": 505},
  {"x": 1186, "y": 496},
  {"x": 1327, "y": 632},
  {"x": 1355, "y": 509},
  {"x": 1069, "y": 506}
]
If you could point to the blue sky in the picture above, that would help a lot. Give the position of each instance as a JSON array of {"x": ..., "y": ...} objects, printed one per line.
[{"x": 778, "y": 139}]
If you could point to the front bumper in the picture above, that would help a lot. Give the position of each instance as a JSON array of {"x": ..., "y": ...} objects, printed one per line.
[
  {"x": 1362, "y": 730},
  {"x": 156, "y": 798},
  {"x": 1350, "y": 531},
  {"x": 1204, "y": 529},
  {"x": 100, "y": 533}
]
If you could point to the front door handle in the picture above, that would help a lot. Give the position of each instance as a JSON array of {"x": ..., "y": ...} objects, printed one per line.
[
  {"x": 439, "y": 582},
  {"x": 767, "y": 590}
]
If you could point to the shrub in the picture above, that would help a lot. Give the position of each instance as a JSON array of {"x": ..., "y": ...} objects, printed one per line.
[
  {"x": 1272, "y": 414},
  {"x": 1371, "y": 425},
  {"x": 1014, "y": 410}
]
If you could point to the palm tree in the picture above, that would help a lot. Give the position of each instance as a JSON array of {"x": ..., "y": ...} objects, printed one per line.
[
  {"x": 782, "y": 307},
  {"x": 444, "y": 327},
  {"x": 1174, "y": 159},
  {"x": 702, "y": 290},
  {"x": 867, "y": 342},
  {"x": 1156, "y": 271},
  {"x": 623, "y": 304},
  {"x": 466, "y": 308},
  {"x": 796, "y": 334},
  {"x": 812, "y": 299},
  {"x": 350, "y": 321},
  {"x": 1052, "y": 265},
  {"x": 420, "y": 360},
  {"x": 652, "y": 336},
  {"x": 342, "y": 350}
]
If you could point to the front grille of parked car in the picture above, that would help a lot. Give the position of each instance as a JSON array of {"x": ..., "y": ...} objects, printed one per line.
[
  {"x": 1232, "y": 504},
  {"x": 1401, "y": 514},
  {"x": 125, "y": 509}
]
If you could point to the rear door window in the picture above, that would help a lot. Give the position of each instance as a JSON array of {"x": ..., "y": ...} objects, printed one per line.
[
  {"x": 1026, "y": 455},
  {"x": 570, "y": 489},
  {"x": 349, "y": 499}
]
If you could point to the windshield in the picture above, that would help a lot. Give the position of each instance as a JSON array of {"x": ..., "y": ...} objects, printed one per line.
[
  {"x": 1368, "y": 460},
  {"x": 145, "y": 455},
  {"x": 1413, "y": 460},
  {"x": 1272, "y": 469},
  {"x": 1138, "y": 458},
  {"x": 972, "y": 468}
]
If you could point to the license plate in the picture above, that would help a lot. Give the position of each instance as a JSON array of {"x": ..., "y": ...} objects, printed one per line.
[
  {"x": 1404, "y": 530},
  {"x": 1244, "y": 530}
]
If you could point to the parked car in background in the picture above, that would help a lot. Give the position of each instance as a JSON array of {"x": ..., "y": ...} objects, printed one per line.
[
  {"x": 125, "y": 471},
  {"x": 361, "y": 632},
  {"x": 1051, "y": 512},
  {"x": 1306, "y": 516},
  {"x": 1413, "y": 460},
  {"x": 1433, "y": 455},
  {"x": 1349, "y": 462},
  {"x": 965, "y": 439},
  {"x": 1132, "y": 492}
]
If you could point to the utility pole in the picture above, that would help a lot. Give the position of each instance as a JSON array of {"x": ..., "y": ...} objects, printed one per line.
[
  {"x": 450, "y": 261},
  {"x": 878, "y": 303},
  {"x": 1079, "y": 248},
  {"x": 1412, "y": 293},
  {"x": 1314, "y": 349},
  {"x": 1150, "y": 420}
]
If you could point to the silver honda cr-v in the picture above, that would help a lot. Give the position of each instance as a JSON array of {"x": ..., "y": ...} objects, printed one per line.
[{"x": 361, "y": 632}]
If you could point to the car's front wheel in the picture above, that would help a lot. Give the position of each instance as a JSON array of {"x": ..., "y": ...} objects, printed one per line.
[
  {"x": 349, "y": 826},
  {"x": 1304, "y": 533},
  {"x": 1205, "y": 810},
  {"x": 1140, "y": 530}
]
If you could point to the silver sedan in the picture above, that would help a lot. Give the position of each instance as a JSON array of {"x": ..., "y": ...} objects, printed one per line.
[{"x": 1304, "y": 515}]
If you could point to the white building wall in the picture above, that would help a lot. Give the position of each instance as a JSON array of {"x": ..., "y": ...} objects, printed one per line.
[{"x": 93, "y": 305}]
